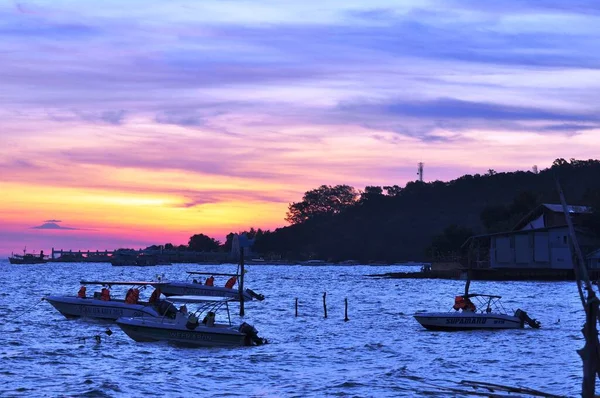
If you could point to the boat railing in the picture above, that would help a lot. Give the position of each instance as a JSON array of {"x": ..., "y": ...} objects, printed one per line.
[
  {"x": 203, "y": 308},
  {"x": 491, "y": 304},
  {"x": 486, "y": 303}
]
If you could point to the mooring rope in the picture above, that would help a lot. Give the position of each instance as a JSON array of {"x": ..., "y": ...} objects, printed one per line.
[{"x": 26, "y": 310}]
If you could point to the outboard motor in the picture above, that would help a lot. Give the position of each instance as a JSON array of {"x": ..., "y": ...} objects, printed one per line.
[
  {"x": 522, "y": 315},
  {"x": 251, "y": 335},
  {"x": 255, "y": 295}
]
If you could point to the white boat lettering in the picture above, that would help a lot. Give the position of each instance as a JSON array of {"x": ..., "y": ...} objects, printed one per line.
[
  {"x": 193, "y": 290},
  {"x": 466, "y": 321},
  {"x": 101, "y": 311},
  {"x": 189, "y": 336}
]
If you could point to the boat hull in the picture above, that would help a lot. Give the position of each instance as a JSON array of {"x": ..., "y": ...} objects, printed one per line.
[
  {"x": 197, "y": 289},
  {"x": 75, "y": 307},
  {"x": 34, "y": 260},
  {"x": 448, "y": 321},
  {"x": 148, "y": 330}
]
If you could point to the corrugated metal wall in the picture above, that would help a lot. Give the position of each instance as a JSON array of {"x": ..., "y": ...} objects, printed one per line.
[
  {"x": 503, "y": 251},
  {"x": 541, "y": 252},
  {"x": 523, "y": 252}
]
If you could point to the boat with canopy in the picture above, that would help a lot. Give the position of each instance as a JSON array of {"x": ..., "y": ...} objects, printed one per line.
[
  {"x": 185, "y": 328},
  {"x": 193, "y": 287},
  {"x": 488, "y": 313},
  {"x": 28, "y": 258},
  {"x": 104, "y": 306}
]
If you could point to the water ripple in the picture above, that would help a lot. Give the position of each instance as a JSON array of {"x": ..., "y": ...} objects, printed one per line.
[{"x": 382, "y": 351}]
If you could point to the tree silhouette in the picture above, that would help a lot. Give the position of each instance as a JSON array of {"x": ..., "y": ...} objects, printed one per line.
[
  {"x": 332, "y": 224},
  {"x": 203, "y": 243},
  {"x": 323, "y": 201}
]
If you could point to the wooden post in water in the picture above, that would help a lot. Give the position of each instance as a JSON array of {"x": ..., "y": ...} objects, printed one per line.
[
  {"x": 346, "y": 310},
  {"x": 241, "y": 284},
  {"x": 325, "y": 304},
  {"x": 296, "y": 307}
]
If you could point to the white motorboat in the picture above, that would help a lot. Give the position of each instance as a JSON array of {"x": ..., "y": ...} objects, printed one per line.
[
  {"x": 101, "y": 305},
  {"x": 465, "y": 315},
  {"x": 184, "y": 328},
  {"x": 195, "y": 288}
]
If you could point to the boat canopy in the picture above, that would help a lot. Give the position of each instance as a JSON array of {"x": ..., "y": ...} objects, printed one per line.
[
  {"x": 110, "y": 283},
  {"x": 210, "y": 273},
  {"x": 480, "y": 295},
  {"x": 199, "y": 299}
]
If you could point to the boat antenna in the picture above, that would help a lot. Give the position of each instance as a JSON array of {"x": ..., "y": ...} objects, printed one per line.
[{"x": 589, "y": 353}]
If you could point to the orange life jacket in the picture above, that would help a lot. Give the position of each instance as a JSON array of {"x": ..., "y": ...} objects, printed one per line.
[
  {"x": 231, "y": 282},
  {"x": 210, "y": 281},
  {"x": 463, "y": 303},
  {"x": 459, "y": 302},
  {"x": 105, "y": 294},
  {"x": 155, "y": 296},
  {"x": 469, "y": 305},
  {"x": 81, "y": 293},
  {"x": 132, "y": 296}
]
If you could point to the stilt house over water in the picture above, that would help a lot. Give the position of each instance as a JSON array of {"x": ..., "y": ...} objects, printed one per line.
[{"x": 539, "y": 241}]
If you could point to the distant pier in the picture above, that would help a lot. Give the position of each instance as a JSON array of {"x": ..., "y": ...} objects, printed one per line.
[
  {"x": 81, "y": 256},
  {"x": 167, "y": 256}
]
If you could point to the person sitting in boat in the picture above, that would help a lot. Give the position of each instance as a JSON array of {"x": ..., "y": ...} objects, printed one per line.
[
  {"x": 155, "y": 297},
  {"x": 132, "y": 296},
  {"x": 469, "y": 306},
  {"x": 128, "y": 295},
  {"x": 209, "y": 319},
  {"x": 81, "y": 292},
  {"x": 105, "y": 294},
  {"x": 183, "y": 309},
  {"x": 459, "y": 303},
  {"x": 192, "y": 322},
  {"x": 465, "y": 304},
  {"x": 210, "y": 281},
  {"x": 231, "y": 282}
]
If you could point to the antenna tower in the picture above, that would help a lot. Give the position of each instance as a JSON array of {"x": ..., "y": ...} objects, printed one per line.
[{"x": 420, "y": 171}]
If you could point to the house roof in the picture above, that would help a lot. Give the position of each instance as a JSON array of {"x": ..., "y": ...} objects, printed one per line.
[
  {"x": 594, "y": 254},
  {"x": 555, "y": 208}
]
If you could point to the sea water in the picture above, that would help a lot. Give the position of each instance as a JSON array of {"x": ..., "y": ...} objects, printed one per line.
[{"x": 382, "y": 351}]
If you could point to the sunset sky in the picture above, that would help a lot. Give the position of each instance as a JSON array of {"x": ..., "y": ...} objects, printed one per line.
[{"x": 141, "y": 122}]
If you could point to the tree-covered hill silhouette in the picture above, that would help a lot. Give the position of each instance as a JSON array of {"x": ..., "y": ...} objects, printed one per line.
[{"x": 421, "y": 220}]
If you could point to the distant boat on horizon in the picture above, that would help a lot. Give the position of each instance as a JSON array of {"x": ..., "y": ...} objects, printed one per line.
[{"x": 27, "y": 258}]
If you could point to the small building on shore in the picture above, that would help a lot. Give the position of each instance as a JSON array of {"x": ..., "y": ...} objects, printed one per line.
[
  {"x": 241, "y": 241},
  {"x": 539, "y": 241}
]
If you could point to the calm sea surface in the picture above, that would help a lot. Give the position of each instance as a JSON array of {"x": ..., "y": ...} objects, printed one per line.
[{"x": 382, "y": 351}]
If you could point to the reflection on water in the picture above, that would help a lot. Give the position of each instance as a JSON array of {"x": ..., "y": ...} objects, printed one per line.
[{"x": 382, "y": 351}]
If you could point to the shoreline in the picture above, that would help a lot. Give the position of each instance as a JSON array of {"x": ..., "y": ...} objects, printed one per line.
[{"x": 511, "y": 274}]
